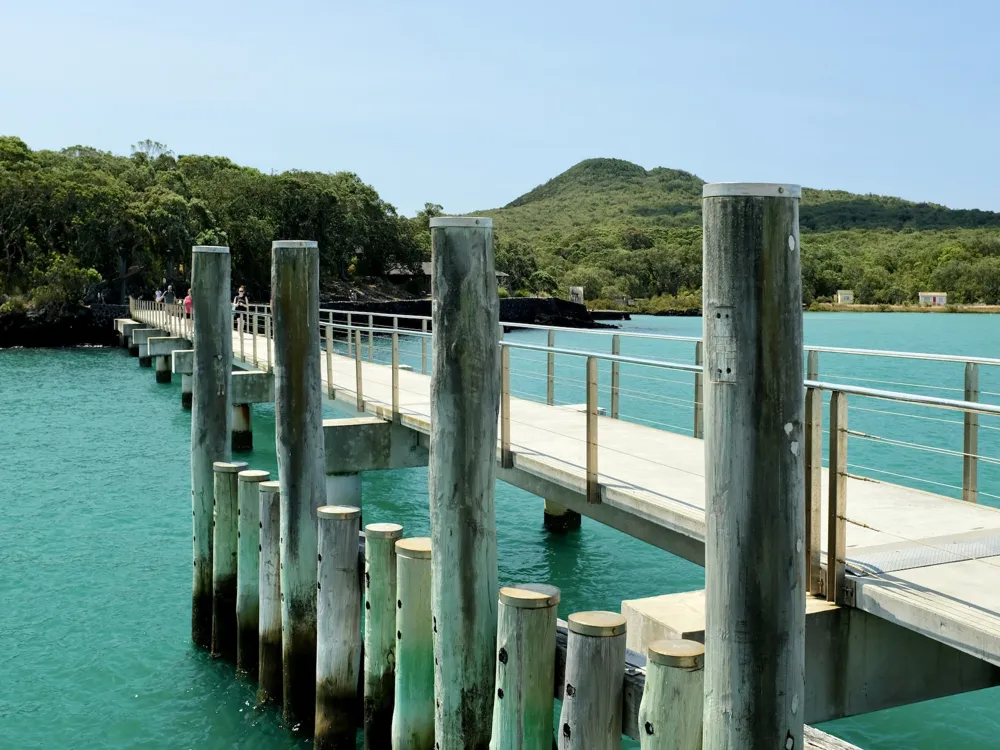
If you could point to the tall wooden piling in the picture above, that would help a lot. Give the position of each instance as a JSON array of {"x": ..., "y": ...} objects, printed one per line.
[
  {"x": 269, "y": 684},
  {"x": 591, "y": 717},
  {"x": 210, "y": 416},
  {"x": 248, "y": 571},
  {"x": 224, "y": 558},
  {"x": 465, "y": 401},
  {"x": 298, "y": 416},
  {"x": 525, "y": 667},
  {"x": 670, "y": 712},
  {"x": 380, "y": 632},
  {"x": 413, "y": 715},
  {"x": 338, "y": 620},
  {"x": 755, "y": 473}
]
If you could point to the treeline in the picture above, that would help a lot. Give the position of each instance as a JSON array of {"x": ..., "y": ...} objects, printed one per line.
[{"x": 75, "y": 216}]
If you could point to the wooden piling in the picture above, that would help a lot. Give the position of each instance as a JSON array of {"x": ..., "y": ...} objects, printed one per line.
[
  {"x": 210, "y": 417},
  {"x": 338, "y": 620},
  {"x": 298, "y": 416},
  {"x": 380, "y": 632},
  {"x": 224, "y": 558},
  {"x": 248, "y": 571},
  {"x": 465, "y": 401},
  {"x": 525, "y": 667},
  {"x": 413, "y": 714},
  {"x": 755, "y": 471},
  {"x": 242, "y": 428},
  {"x": 670, "y": 713},
  {"x": 591, "y": 717},
  {"x": 269, "y": 683}
]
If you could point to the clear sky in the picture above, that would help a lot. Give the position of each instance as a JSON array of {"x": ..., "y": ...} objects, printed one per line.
[{"x": 470, "y": 104}]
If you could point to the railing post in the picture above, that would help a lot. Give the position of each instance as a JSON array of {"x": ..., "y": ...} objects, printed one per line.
[
  {"x": 357, "y": 371},
  {"x": 814, "y": 477},
  {"x": 616, "y": 350},
  {"x": 350, "y": 336},
  {"x": 593, "y": 486},
  {"x": 699, "y": 391},
  {"x": 423, "y": 347},
  {"x": 395, "y": 377},
  {"x": 812, "y": 365},
  {"x": 755, "y": 473},
  {"x": 506, "y": 457},
  {"x": 837, "y": 500},
  {"x": 253, "y": 344},
  {"x": 329, "y": 357},
  {"x": 550, "y": 379},
  {"x": 239, "y": 329},
  {"x": 371, "y": 338},
  {"x": 970, "y": 437}
]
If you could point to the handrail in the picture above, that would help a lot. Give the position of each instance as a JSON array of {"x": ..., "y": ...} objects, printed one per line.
[{"x": 974, "y": 407}]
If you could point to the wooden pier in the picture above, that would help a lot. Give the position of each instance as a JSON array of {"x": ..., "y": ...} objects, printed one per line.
[{"x": 908, "y": 581}]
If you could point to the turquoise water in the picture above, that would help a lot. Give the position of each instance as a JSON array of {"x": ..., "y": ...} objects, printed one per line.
[{"x": 95, "y": 532}]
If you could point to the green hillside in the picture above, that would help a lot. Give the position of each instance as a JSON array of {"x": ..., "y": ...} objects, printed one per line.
[{"x": 620, "y": 230}]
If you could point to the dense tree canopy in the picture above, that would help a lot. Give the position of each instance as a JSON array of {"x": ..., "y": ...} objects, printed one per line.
[{"x": 138, "y": 216}]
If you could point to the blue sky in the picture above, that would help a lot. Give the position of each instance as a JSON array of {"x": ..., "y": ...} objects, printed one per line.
[{"x": 471, "y": 104}]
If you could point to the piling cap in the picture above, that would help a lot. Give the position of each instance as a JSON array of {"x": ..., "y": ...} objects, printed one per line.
[
  {"x": 293, "y": 244},
  {"x": 597, "y": 624},
  {"x": 384, "y": 530},
  {"x": 254, "y": 475},
  {"x": 272, "y": 486},
  {"x": 210, "y": 249},
  {"x": 338, "y": 512},
  {"x": 750, "y": 190},
  {"x": 416, "y": 548},
  {"x": 461, "y": 221},
  {"x": 529, "y": 595},
  {"x": 229, "y": 467},
  {"x": 678, "y": 653}
]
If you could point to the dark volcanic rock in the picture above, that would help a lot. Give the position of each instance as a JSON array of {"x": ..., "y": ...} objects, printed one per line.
[{"x": 61, "y": 325}]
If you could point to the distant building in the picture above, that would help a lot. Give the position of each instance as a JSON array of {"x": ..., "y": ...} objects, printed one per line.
[
  {"x": 576, "y": 294},
  {"x": 419, "y": 281},
  {"x": 845, "y": 296},
  {"x": 934, "y": 298}
]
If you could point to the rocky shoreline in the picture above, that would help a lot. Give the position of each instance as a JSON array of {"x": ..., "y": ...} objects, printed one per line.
[{"x": 60, "y": 325}]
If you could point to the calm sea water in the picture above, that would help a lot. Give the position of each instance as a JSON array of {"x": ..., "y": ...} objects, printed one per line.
[{"x": 95, "y": 531}]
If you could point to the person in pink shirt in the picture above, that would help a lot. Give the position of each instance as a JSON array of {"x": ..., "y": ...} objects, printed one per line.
[{"x": 187, "y": 303}]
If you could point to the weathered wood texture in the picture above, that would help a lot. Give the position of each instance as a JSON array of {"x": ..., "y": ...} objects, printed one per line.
[
  {"x": 298, "y": 418},
  {"x": 672, "y": 698},
  {"x": 380, "y": 632},
  {"x": 836, "y": 528},
  {"x": 413, "y": 715},
  {"x": 269, "y": 685},
  {"x": 755, "y": 475},
  {"x": 338, "y": 622},
  {"x": 591, "y": 717},
  {"x": 210, "y": 417},
  {"x": 525, "y": 671},
  {"x": 224, "y": 558},
  {"x": 970, "y": 437},
  {"x": 465, "y": 400},
  {"x": 813, "y": 486},
  {"x": 248, "y": 571}
]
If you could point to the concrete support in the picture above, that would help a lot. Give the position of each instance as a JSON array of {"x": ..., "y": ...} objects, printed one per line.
[
  {"x": 755, "y": 472},
  {"x": 371, "y": 444},
  {"x": 162, "y": 369},
  {"x": 298, "y": 420},
  {"x": 591, "y": 717},
  {"x": 560, "y": 519},
  {"x": 343, "y": 489},
  {"x": 186, "y": 389},
  {"x": 242, "y": 428},
  {"x": 380, "y": 632},
  {"x": 224, "y": 558},
  {"x": 269, "y": 685},
  {"x": 210, "y": 417},
  {"x": 413, "y": 715},
  {"x": 465, "y": 402},
  {"x": 525, "y": 667},
  {"x": 248, "y": 572},
  {"x": 338, "y": 619}
]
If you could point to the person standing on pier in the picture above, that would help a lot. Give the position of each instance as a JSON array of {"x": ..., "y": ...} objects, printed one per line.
[
  {"x": 169, "y": 296},
  {"x": 241, "y": 305},
  {"x": 187, "y": 303}
]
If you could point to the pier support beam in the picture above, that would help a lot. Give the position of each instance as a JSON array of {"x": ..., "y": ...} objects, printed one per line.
[
  {"x": 210, "y": 416},
  {"x": 559, "y": 519},
  {"x": 186, "y": 389},
  {"x": 755, "y": 474},
  {"x": 162, "y": 369},
  {"x": 242, "y": 428},
  {"x": 465, "y": 402},
  {"x": 298, "y": 417}
]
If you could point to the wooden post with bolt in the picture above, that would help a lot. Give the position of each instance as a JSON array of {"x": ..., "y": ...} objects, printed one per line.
[
  {"x": 269, "y": 684},
  {"x": 380, "y": 632},
  {"x": 670, "y": 712},
  {"x": 224, "y": 558},
  {"x": 248, "y": 571},
  {"x": 755, "y": 470}
]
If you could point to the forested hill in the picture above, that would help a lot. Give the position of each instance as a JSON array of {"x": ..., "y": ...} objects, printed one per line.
[{"x": 621, "y": 230}]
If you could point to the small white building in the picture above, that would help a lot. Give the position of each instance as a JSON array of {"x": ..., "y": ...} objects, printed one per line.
[
  {"x": 934, "y": 298},
  {"x": 576, "y": 294},
  {"x": 845, "y": 296}
]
